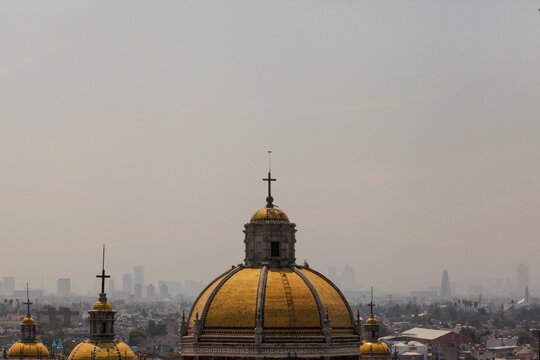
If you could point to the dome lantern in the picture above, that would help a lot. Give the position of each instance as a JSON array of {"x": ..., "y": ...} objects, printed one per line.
[{"x": 269, "y": 236}]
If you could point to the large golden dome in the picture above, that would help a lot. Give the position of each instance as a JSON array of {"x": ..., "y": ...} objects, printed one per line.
[
  {"x": 290, "y": 301},
  {"x": 269, "y": 307},
  {"x": 21, "y": 350},
  {"x": 102, "y": 350}
]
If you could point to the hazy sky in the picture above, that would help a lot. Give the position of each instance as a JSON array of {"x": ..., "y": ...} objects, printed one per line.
[{"x": 406, "y": 136}]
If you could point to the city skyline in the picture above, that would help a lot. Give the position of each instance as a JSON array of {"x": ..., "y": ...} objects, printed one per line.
[{"x": 345, "y": 276}]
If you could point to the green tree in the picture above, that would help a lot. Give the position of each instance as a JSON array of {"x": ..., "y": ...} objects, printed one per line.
[{"x": 136, "y": 337}]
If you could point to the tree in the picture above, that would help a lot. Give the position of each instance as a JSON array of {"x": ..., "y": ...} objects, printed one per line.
[
  {"x": 154, "y": 329},
  {"x": 136, "y": 337}
]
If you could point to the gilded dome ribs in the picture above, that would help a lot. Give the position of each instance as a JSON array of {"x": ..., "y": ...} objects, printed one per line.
[
  {"x": 261, "y": 294},
  {"x": 212, "y": 296},
  {"x": 320, "y": 305}
]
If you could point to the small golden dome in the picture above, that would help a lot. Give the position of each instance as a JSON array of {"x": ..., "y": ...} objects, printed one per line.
[
  {"x": 266, "y": 215},
  {"x": 377, "y": 348},
  {"x": 28, "y": 350},
  {"x": 28, "y": 320},
  {"x": 371, "y": 320},
  {"x": 102, "y": 350},
  {"x": 102, "y": 305}
]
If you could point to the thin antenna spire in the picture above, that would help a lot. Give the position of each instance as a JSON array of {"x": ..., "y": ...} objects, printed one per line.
[{"x": 269, "y": 160}]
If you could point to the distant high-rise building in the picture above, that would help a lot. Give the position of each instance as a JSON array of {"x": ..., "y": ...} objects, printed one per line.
[
  {"x": 63, "y": 287},
  {"x": 348, "y": 279},
  {"x": 138, "y": 291},
  {"x": 522, "y": 277},
  {"x": 138, "y": 275},
  {"x": 9, "y": 285},
  {"x": 445, "y": 286},
  {"x": 163, "y": 289},
  {"x": 150, "y": 292},
  {"x": 127, "y": 283},
  {"x": 332, "y": 273}
]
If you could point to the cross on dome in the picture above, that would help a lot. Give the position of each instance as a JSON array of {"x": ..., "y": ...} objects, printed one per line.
[
  {"x": 103, "y": 276},
  {"x": 269, "y": 198},
  {"x": 371, "y": 304},
  {"x": 28, "y": 302}
]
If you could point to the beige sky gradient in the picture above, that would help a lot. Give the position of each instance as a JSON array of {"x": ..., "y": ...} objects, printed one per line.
[{"x": 406, "y": 136}]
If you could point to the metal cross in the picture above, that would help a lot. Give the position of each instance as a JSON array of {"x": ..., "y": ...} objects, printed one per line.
[
  {"x": 28, "y": 302},
  {"x": 103, "y": 276},
  {"x": 371, "y": 304}
]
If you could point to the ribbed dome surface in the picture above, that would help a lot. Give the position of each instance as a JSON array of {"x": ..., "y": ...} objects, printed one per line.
[
  {"x": 102, "y": 350},
  {"x": 21, "y": 350},
  {"x": 292, "y": 301}
]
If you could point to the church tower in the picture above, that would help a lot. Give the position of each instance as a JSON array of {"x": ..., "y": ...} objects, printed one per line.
[
  {"x": 102, "y": 343},
  {"x": 28, "y": 346},
  {"x": 371, "y": 347}
]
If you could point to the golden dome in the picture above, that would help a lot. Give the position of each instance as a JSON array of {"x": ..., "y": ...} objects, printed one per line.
[
  {"x": 266, "y": 215},
  {"x": 371, "y": 320},
  {"x": 27, "y": 320},
  {"x": 296, "y": 301},
  {"x": 102, "y": 305},
  {"x": 28, "y": 350},
  {"x": 102, "y": 350},
  {"x": 376, "y": 348}
]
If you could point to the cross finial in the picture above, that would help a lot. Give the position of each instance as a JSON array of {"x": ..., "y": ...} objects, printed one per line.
[
  {"x": 103, "y": 276},
  {"x": 371, "y": 304},
  {"x": 269, "y": 198},
  {"x": 28, "y": 302}
]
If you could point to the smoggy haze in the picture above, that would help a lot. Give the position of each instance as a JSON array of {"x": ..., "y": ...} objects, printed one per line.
[{"x": 408, "y": 133}]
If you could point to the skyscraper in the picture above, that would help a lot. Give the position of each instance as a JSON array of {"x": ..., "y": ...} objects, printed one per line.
[
  {"x": 138, "y": 291},
  {"x": 9, "y": 285},
  {"x": 63, "y": 287},
  {"x": 127, "y": 283},
  {"x": 445, "y": 286},
  {"x": 522, "y": 278},
  {"x": 163, "y": 287},
  {"x": 138, "y": 275},
  {"x": 150, "y": 292}
]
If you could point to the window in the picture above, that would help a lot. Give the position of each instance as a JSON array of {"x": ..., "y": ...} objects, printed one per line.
[{"x": 274, "y": 248}]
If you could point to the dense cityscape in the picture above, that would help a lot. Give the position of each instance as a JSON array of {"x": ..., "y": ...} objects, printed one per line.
[{"x": 501, "y": 321}]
